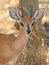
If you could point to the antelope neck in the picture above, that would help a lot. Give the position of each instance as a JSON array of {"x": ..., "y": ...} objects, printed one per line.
[{"x": 23, "y": 35}]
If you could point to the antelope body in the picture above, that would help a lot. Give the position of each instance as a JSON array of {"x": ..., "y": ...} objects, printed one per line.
[{"x": 11, "y": 46}]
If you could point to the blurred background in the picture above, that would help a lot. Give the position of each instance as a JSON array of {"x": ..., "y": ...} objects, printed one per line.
[{"x": 6, "y": 23}]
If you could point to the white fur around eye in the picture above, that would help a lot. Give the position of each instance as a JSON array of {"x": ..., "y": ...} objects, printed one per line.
[{"x": 33, "y": 23}]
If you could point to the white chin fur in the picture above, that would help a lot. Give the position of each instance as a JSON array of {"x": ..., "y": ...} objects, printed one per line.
[{"x": 27, "y": 33}]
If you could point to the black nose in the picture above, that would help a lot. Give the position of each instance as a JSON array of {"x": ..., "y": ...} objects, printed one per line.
[{"x": 28, "y": 31}]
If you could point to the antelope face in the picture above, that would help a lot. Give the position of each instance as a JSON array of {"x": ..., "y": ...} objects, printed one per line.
[{"x": 26, "y": 23}]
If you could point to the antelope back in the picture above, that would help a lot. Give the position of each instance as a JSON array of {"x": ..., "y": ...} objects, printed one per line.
[{"x": 5, "y": 51}]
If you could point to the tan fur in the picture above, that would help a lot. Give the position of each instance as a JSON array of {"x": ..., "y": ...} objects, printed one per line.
[{"x": 11, "y": 46}]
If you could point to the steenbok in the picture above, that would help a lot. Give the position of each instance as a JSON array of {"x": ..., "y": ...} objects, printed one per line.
[{"x": 10, "y": 46}]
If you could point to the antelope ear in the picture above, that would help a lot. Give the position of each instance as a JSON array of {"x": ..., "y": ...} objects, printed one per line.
[
  {"x": 39, "y": 13},
  {"x": 15, "y": 14}
]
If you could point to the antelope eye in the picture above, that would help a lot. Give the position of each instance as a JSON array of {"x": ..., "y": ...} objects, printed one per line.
[
  {"x": 33, "y": 23},
  {"x": 21, "y": 24}
]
